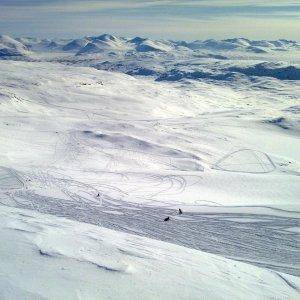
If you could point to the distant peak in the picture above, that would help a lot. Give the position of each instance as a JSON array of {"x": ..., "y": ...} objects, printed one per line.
[
  {"x": 138, "y": 40},
  {"x": 106, "y": 37}
]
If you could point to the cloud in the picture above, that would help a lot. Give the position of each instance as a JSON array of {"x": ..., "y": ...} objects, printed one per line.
[{"x": 161, "y": 18}]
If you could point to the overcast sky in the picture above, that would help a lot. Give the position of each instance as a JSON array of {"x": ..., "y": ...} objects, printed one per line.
[{"x": 176, "y": 19}]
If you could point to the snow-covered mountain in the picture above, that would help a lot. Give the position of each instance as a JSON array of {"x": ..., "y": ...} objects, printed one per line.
[
  {"x": 10, "y": 47},
  {"x": 230, "y": 60}
]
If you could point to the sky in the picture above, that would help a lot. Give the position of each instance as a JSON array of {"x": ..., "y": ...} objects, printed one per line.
[{"x": 165, "y": 19}]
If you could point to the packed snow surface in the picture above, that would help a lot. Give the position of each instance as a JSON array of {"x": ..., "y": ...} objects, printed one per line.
[
  {"x": 91, "y": 262},
  {"x": 93, "y": 161}
]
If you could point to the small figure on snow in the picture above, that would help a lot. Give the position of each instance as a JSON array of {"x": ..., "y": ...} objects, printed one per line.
[
  {"x": 166, "y": 219},
  {"x": 179, "y": 211},
  {"x": 98, "y": 195}
]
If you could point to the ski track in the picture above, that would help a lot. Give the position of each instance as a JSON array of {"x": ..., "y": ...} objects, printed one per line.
[{"x": 261, "y": 240}]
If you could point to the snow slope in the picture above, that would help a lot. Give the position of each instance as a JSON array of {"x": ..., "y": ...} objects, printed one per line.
[
  {"x": 42, "y": 254},
  {"x": 84, "y": 119},
  {"x": 214, "y": 132}
]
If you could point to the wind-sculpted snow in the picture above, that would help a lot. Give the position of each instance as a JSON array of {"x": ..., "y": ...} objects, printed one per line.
[
  {"x": 229, "y": 234},
  {"x": 54, "y": 258}
]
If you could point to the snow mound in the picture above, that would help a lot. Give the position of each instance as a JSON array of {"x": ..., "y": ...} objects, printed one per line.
[
  {"x": 134, "y": 152},
  {"x": 245, "y": 161}
]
